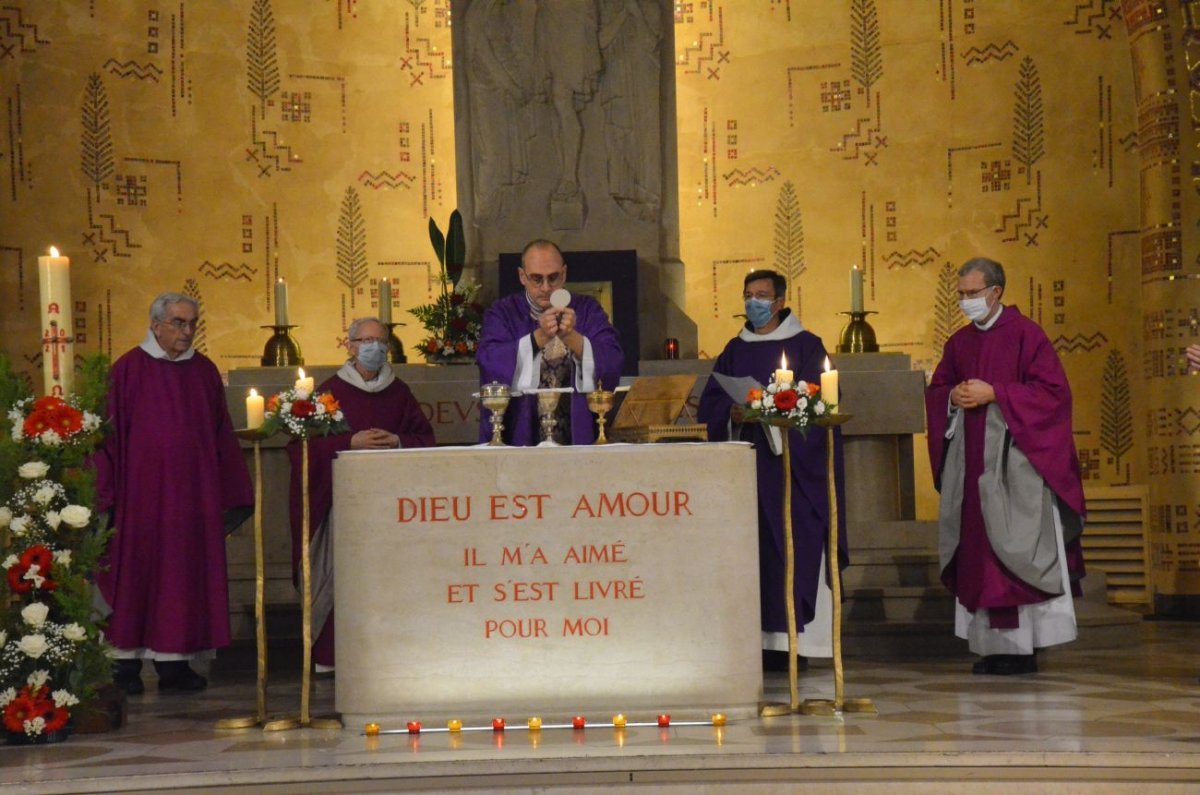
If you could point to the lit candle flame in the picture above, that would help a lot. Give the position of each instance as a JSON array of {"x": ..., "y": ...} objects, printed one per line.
[
  {"x": 783, "y": 361},
  {"x": 253, "y": 392},
  {"x": 827, "y": 367},
  {"x": 53, "y": 251},
  {"x": 302, "y": 376}
]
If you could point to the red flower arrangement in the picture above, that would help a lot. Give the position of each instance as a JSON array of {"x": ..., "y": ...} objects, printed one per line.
[
  {"x": 37, "y": 555},
  {"x": 29, "y": 705}
]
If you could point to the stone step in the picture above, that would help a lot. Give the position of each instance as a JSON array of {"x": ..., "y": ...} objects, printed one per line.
[
  {"x": 891, "y": 534},
  {"x": 880, "y": 568}
]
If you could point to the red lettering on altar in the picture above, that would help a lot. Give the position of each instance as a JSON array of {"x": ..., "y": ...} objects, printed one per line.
[
  {"x": 523, "y": 591},
  {"x": 591, "y": 553},
  {"x": 463, "y": 593},
  {"x": 633, "y": 504},
  {"x": 432, "y": 509},
  {"x": 516, "y": 506},
  {"x": 590, "y": 627},
  {"x": 521, "y": 628}
]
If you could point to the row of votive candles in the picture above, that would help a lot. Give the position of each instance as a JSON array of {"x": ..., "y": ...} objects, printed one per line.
[{"x": 256, "y": 404}]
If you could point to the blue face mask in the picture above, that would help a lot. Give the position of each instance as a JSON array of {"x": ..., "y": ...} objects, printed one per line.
[
  {"x": 758, "y": 311},
  {"x": 371, "y": 355}
]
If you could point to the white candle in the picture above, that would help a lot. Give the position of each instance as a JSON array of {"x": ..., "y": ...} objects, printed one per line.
[
  {"x": 385, "y": 301},
  {"x": 829, "y": 385},
  {"x": 304, "y": 383},
  {"x": 856, "y": 289},
  {"x": 58, "y": 338},
  {"x": 281, "y": 318},
  {"x": 254, "y": 409},
  {"x": 783, "y": 374}
]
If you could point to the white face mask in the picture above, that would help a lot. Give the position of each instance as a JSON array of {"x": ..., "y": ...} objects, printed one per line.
[{"x": 976, "y": 309}]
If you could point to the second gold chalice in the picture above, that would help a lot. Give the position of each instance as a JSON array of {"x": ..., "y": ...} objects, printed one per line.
[
  {"x": 600, "y": 402},
  {"x": 495, "y": 397}
]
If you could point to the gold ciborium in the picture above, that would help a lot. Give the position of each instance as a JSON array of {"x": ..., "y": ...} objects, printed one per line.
[
  {"x": 600, "y": 403},
  {"x": 495, "y": 397},
  {"x": 547, "y": 405}
]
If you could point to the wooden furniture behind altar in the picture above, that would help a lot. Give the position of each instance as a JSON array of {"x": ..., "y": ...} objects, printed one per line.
[{"x": 500, "y": 581}]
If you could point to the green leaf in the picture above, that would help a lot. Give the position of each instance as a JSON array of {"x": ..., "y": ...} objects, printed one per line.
[
  {"x": 456, "y": 248},
  {"x": 439, "y": 242}
]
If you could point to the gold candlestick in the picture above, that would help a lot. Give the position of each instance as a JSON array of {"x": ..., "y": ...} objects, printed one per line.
[
  {"x": 281, "y": 350},
  {"x": 260, "y": 622},
  {"x": 305, "y": 720}
]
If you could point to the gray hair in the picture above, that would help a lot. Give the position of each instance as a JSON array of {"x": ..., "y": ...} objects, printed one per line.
[
  {"x": 158, "y": 307},
  {"x": 356, "y": 324},
  {"x": 993, "y": 272}
]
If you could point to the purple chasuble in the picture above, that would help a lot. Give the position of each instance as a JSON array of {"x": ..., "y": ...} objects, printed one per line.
[
  {"x": 1020, "y": 363},
  {"x": 810, "y": 489},
  {"x": 505, "y": 323},
  {"x": 168, "y": 471},
  {"x": 393, "y": 409}
]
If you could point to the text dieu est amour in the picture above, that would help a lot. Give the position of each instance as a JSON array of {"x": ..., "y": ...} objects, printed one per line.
[{"x": 524, "y": 507}]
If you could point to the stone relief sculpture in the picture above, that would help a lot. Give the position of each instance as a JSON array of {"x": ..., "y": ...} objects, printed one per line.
[
  {"x": 498, "y": 60},
  {"x": 630, "y": 35},
  {"x": 566, "y": 41}
]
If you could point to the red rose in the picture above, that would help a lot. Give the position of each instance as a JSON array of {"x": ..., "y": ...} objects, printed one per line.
[
  {"x": 302, "y": 408},
  {"x": 458, "y": 324},
  {"x": 786, "y": 400},
  {"x": 456, "y": 299}
]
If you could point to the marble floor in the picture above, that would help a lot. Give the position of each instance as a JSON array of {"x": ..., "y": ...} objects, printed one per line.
[{"x": 1096, "y": 721}]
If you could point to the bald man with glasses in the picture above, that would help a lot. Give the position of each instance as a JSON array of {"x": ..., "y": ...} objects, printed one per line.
[{"x": 528, "y": 343}]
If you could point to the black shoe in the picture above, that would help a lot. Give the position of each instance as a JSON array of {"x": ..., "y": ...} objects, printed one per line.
[
  {"x": 1006, "y": 665},
  {"x": 127, "y": 676},
  {"x": 176, "y": 675},
  {"x": 984, "y": 665}
]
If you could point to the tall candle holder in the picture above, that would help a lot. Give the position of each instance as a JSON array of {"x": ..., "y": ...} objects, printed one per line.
[
  {"x": 858, "y": 336},
  {"x": 281, "y": 350},
  {"x": 395, "y": 347}
]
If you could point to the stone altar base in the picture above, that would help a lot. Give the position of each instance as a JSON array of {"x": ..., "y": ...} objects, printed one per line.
[{"x": 481, "y": 582}]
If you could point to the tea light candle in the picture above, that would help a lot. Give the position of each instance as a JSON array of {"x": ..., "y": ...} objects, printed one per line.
[
  {"x": 578, "y": 722},
  {"x": 783, "y": 374},
  {"x": 719, "y": 719},
  {"x": 281, "y": 303},
  {"x": 535, "y": 724},
  {"x": 498, "y": 724},
  {"x": 414, "y": 727},
  {"x": 254, "y": 409},
  {"x": 454, "y": 725},
  {"x": 664, "y": 720},
  {"x": 619, "y": 720},
  {"x": 371, "y": 730},
  {"x": 829, "y": 385}
]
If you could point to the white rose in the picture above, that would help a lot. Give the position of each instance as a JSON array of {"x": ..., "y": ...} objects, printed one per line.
[
  {"x": 7, "y": 696},
  {"x": 76, "y": 515},
  {"x": 54, "y": 519},
  {"x": 32, "y": 470},
  {"x": 19, "y": 526},
  {"x": 756, "y": 405},
  {"x": 62, "y": 557},
  {"x": 64, "y": 699},
  {"x": 35, "y": 614},
  {"x": 819, "y": 409},
  {"x": 33, "y": 645},
  {"x": 37, "y": 679},
  {"x": 74, "y": 632},
  {"x": 5, "y": 517},
  {"x": 43, "y": 495}
]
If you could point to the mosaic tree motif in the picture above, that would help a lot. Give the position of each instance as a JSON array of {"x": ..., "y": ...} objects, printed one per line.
[
  {"x": 866, "y": 55},
  {"x": 946, "y": 315},
  {"x": 262, "y": 68},
  {"x": 789, "y": 234},
  {"x": 1116, "y": 411},
  {"x": 1029, "y": 130},
  {"x": 200, "y": 341},
  {"x": 351, "y": 244},
  {"x": 96, "y": 139}
]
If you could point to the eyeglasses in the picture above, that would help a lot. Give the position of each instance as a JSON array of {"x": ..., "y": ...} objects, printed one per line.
[
  {"x": 974, "y": 293},
  {"x": 361, "y": 340},
  {"x": 179, "y": 324},
  {"x": 552, "y": 280}
]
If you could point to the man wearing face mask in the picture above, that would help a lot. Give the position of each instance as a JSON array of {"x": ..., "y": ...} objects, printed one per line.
[
  {"x": 772, "y": 331},
  {"x": 1003, "y": 457},
  {"x": 383, "y": 415},
  {"x": 529, "y": 344}
]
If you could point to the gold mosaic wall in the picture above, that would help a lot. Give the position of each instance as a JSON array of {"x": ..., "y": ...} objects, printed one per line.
[{"x": 211, "y": 147}]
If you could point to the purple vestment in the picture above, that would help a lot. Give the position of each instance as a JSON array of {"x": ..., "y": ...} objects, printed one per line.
[
  {"x": 810, "y": 489},
  {"x": 168, "y": 471},
  {"x": 393, "y": 409},
  {"x": 1020, "y": 363},
  {"x": 506, "y": 322}
]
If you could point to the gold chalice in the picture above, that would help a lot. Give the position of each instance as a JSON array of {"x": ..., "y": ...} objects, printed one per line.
[
  {"x": 495, "y": 397},
  {"x": 547, "y": 405},
  {"x": 600, "y": 402}
]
